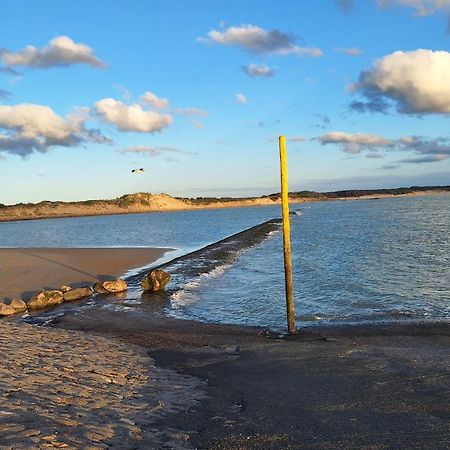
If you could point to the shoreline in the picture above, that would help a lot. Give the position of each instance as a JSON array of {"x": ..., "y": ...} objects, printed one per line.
[
  {"x": 161, "y": 382},
  {"x": 26, "y": 271},
  {"x": 111, "y": 210}
]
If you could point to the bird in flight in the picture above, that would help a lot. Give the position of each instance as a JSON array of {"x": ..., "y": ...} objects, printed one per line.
[{"x": 140, "y": 170}]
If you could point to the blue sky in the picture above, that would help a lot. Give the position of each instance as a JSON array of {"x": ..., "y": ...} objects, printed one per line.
[{"x": 358, "y": 87}]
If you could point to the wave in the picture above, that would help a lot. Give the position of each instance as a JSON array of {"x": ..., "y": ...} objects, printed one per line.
[{"x": 187, "y": 271}]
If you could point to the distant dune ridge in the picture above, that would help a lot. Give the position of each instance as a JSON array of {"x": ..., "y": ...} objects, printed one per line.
[{"x": 147, "y": 202}]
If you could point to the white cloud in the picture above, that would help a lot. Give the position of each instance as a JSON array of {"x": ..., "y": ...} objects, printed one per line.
[
  {"x": 349, "y": 51},
  {"x": 240, "y": 98},
  {"x": 429, "y": 150},
  {"x": 416, "y": 81},
  {"x": 26, "y": 128},
  {"x": 154, "y": 101},
  {"x": 421, "y": 7},
  {"x": 131, "y": 117},
  {"x": 60, "y": 52},
  {"x": 258, "y": 70},
  {"x": 257, "y": 40},
  {"x": 354, "y": 143}
]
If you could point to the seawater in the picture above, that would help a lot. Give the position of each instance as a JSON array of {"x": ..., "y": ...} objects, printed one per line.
[{"x": 354, "y": 261}]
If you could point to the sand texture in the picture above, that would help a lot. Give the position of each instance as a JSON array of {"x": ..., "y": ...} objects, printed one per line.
[
  {"x": 65, "y": 389},
  {"x": 24, "y": 271}
]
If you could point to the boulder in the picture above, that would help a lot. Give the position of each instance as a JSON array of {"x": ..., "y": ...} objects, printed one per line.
[
  {"x": 65, "y": 288},
  {"x": 45, "y": 299},
  {"x": 99, "y": 289},
  {"x": 6, "y": 310},
  {"x": 77, "y": 293},
  {"x": 114, "y": 286},
  {"x": 156, "y": 280},
  {"x": 18, "y": 304}
]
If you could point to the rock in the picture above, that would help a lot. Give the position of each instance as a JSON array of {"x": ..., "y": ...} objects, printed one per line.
[
  {"x": 114, "y": 286},
  {"x": 77, "y": 293},
  {"x": 45, "y": 299},
  {"x": 18, "y": 304},
  {"x": 99, "y": 289},
  {"x": 6, "y": 310},
  {"x": 156, "y": 280},
  {"x": 65, "y": 288}
]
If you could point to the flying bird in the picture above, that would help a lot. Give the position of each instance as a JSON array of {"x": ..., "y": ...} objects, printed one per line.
[{"x": 140, "y": 170}]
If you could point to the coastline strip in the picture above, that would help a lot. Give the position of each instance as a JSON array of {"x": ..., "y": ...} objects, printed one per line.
[{"x": 25, "y": 271}]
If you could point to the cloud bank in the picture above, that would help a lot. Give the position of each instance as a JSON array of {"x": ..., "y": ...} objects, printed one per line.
[
  {"x": 416, "y": 82},
  {"x": 26, "y": 128},
  {"x": 254, "y": 39},
  {"x": 60, "y": 52},
  {"x": 429, "y": 150}
]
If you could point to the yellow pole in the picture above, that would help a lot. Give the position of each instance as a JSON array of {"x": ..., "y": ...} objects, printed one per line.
[{"x": 286, "y": 237}]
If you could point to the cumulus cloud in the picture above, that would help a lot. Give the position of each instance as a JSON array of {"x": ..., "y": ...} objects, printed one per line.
[
  {"x": 26, "y": 128},
  {"x": 257, "y": 40},
  {"x": 349, "y": 51},
  {"x": 240, "y": 99},
  {"x": 60, "y": 52},
  {"x": 416, "y": 82},
  {"x": 131, "y": 117},
  {"x": 422, "y": 7},
  {"x": 153, "y": 151},
  {"x": 346, "y": 5},
  {"x": 428, "y": 150},
  {"x": 258, "y": 70},
  {"x": 154, "y": 101}
]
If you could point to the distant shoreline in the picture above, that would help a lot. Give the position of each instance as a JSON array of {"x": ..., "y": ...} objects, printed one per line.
[{"x": 145, "y": 203}]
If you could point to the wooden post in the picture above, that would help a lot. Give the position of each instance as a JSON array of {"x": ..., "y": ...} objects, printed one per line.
[{"x": 286, "y": 237}]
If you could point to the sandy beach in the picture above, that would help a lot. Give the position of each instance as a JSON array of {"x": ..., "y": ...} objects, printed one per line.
[
  {"x": 24, "y": 271},
  {"x": 103, "y": 377}
]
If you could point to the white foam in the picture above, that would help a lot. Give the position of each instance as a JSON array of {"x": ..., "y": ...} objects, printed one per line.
[{"x": 188, "y": 295}]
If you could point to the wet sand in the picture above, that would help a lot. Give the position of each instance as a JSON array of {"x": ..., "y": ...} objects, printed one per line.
[
  {"x": 377, "y": 387},
  {"x": 24, "y": 271}
]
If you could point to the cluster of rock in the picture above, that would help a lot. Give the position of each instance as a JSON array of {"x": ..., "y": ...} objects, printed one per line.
[{"x": 154, "y": 281}]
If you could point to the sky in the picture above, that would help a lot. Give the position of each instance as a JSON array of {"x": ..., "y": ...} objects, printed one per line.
[{"x": 196, "y": 93}]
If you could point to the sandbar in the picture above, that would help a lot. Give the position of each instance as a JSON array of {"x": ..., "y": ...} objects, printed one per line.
[{"x": 24, "y": 271}]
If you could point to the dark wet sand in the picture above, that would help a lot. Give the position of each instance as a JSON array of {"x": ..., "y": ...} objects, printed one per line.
[
  {"x": 371, "y": 387},
  {"x": 23, "y": 271}
]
